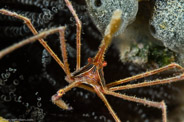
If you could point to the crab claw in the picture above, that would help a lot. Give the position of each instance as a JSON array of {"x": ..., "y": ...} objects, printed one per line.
[{"x": 60, "y": 103}]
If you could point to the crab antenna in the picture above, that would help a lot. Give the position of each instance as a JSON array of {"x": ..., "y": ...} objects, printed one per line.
[{"x": 111, "y": 29}]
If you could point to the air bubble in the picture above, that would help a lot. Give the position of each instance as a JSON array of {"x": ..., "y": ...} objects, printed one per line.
[
  {"x": 15, "y": 97},
  {"x": 109, "y": 120},
  {"x": 2, "y": 82},
  {"x": 12, "y": 88},
  {"x": 2, "y": 97},
  {"x": 39, "y": 104},
  {"x": 86, "y": 115},
  {"x": 46, "y": 3},
  {"x": 15, "y": 82},
  {"x": 140, "y": 111},
  {"x": 21, "y": 77},
  {"x": 102, "y": 118},
  {"x": 5, "y": 80},
  {"x": 3, "y": 76},
  {"x": 93, "y": 114},
  {"x": 14, "y": 70},
  {"x": 81, "y": 93},
  {"x": 86, "y": 96},
  {"x": 7, "y": 75},
  {"x": 19, "y": 99},
  {"x": 36, "y": 93},
  {"x": 146, "y": 120},
  {"x": 10, "y": 69},
  {"x": 11, "y": 94},
  {"x": 143, "y": 115},
  {"x": 7, "y": 98},
  {"x": 39, "y": 98},
  {"x": 46, "y": 58},
  {"x": 71, "y": 19},
  {"x": 54, "y": 9},
  {"x": 27, "y": 104},
  {"x": 165, "y": 94}
]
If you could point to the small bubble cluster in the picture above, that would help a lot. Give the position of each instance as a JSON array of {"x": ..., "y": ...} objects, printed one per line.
[
  {"x": 84, "y": 95},
  {"x": 42, "y": 15},
  {"x": 38, "y": 100},
  {"x": 7, "y": 89},
  {"x": 35, "y": 113},
  {"x": 46, "y": 59},
  {"x": 10, "y": 93},
  {"x": 96, "y": 117}
]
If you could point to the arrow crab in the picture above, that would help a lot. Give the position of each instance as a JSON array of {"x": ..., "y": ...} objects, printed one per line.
[{"x": 91, "y": 76}]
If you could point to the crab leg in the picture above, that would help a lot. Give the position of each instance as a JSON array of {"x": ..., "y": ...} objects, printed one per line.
[
  {"x": 33, "y": 30},
  {"x": 146, "y": 74},
  {"x": 78, "y": 35}
]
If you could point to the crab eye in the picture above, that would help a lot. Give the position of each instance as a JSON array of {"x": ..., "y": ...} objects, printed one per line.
[
  {"x": 104, "y": 64},
  {"x": 90, "y": 60}
]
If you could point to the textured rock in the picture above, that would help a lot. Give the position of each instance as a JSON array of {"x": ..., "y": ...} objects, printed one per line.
[
  {"x": 101, "y": 12},
  {"x": 167, "y": 23}
]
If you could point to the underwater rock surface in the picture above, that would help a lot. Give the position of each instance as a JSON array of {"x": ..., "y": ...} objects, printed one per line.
[
  {"x": 101, "y": 12},
  {"x": 167, "y": 23}
]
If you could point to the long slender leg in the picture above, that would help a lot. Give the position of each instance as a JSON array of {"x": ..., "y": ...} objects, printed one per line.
[
  {"x": 146, "y": 74},
  {"x": 78, "y": 35},
  {"x": 56, "y": 98},
  {"x": 64, "y": 54},
  {"x": 33, "y": 30},
  {"x": 150, "y": 83},
  {"x": 29, "y": 40},
  {"x": 101, "y": 95},
  {"x": 161, "y": 105},
  {"x": 83, "y": 86}
]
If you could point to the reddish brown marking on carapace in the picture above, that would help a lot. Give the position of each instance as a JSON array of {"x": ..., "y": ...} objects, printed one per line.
[{"x": 92, "y": 73}]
